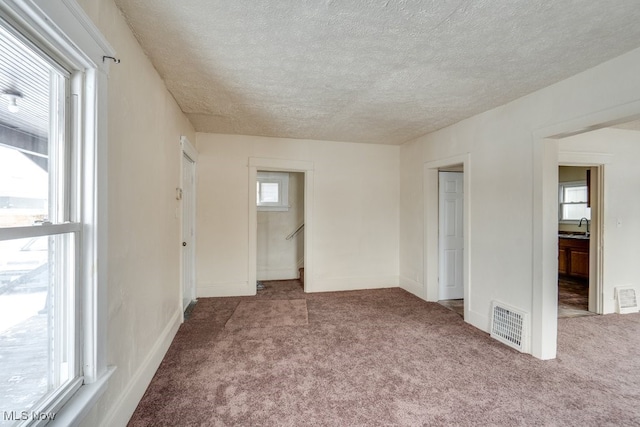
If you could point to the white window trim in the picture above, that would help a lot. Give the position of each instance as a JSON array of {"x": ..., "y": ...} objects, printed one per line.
[
  {"x": 561, "y": 187},
  {"x": 282, "y": 179},
  {"x": 63, "y": 28}
]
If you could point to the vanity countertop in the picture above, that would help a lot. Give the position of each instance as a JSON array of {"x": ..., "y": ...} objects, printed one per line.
[{"x": 581, "y": 236}]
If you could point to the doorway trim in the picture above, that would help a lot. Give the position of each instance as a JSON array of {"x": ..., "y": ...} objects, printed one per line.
[
  {"x": 188, "y": 150},
  {"x": 544, "y": 307},
  {"x": 281, "y": 165},
  {"x": 431, "y": 260}
]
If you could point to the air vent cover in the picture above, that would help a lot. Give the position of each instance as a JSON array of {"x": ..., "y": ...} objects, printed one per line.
[
  {"x": 510, "y": 326},
  {"x": 626, "y": 300}
]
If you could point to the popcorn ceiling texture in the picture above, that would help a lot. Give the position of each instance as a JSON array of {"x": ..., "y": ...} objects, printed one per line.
[{"x": 368, "y": 71}]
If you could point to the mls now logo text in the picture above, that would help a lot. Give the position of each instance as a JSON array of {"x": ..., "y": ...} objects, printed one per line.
[{"x": 27, "y": 416}]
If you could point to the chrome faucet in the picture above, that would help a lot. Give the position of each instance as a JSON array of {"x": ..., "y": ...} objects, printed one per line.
[{"x": 580, "y": 225}]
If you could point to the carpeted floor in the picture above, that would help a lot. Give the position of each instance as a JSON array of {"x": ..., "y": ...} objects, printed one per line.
[{"x": 385, "y": 357}]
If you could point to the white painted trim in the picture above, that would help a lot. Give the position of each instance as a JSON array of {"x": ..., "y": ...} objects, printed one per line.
[
  {"x": 544, "y": 321},
  {"x": 481, "y": 321},
  {"x": 188, "y": 148},
  {"x": 573, "y": 158},
  {"x": 411, "y": 286},
  {"x": 64, "y": 28},
  {"x": 544, "y": 284},
  {"x": 431, "y": 257},
  {"x": 589, "y": 122},
  {"x": 128, "y": 400},
  {"x": 227, "y": 289},
  {"x": 44, "y": 230},
  {"x": 282, "y": 165},
  {"x": 333, "y": 284},
  {"x": 87, "y": 396}
]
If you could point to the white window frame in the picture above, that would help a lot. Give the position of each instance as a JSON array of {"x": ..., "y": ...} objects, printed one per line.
[
  {"x": 561, "y": 202},
  {"x": 282, "y": 180},
  {"x": 62, "y": 29}
]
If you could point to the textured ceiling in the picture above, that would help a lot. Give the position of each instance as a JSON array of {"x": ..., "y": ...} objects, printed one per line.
[{"x": 368, "y": 71}]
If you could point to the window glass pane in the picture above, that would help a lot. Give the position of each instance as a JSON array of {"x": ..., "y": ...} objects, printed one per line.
[
  {"x": 36, "y": 319},
  {"x": 27, "y": 84},
  {"x": 269, "y": 192},
  {"x": 576, "y": 211},
  {"x": 575, "y": 194}
]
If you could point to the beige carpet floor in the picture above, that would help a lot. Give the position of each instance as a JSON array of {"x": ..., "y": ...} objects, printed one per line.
[
  {"x": 268, "y": 314},
  {"x": 386, "y": 358}
]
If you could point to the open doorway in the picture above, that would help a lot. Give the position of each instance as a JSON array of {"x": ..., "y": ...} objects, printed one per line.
[
  {"x": 579, "y": 204},
  {"x": 604, "y": 142},
  {"x": 279, "y": 230},
  {"x": 281, "y": 165}
]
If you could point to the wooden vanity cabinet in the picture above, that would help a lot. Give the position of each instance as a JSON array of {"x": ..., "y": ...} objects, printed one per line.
[{"x": 573, "y": 257}]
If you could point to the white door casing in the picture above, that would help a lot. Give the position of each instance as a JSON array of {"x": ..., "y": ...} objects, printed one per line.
[{"x": 451, "y": 235}]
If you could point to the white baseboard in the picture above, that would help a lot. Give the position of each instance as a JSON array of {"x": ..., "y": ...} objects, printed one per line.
[
  {"x": 353, "y": 283},
  {"x": 124, "y": 407},
  {"x": 234, "y": 289},
  {"x": 411, "y": 286},
  {"x": 479, "y": 321},
  {"x": 282, "y": 274}
]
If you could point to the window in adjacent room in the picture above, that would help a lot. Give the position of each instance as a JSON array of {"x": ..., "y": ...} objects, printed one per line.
[
  {"x": 272, "y": 191},
  {"x": 573, "y": 197}
]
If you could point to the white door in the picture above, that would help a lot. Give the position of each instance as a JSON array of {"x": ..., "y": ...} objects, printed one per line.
[
  {"x": 188, "y": 222},
  {"x": 451, "y": 246}
]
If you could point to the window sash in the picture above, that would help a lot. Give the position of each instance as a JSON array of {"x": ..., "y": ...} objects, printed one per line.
[
  {"x": 564, "y": 206},
  {"x": 64, "y": 295},
  {"x": 281, "y": 180},
  {"x": 63, "y": 30}
]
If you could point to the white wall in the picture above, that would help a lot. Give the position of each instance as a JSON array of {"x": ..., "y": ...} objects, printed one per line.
[
  {"x": 355, "y": 211},
  {"x": 277, "y": 257},
  {"x": 621, "y": 204},
  {"x": 145, "y": 125},
  {"x": 511, "y": 253}
]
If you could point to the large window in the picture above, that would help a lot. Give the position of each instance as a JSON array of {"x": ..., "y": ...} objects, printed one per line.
[
  {"x": 573, "y": 198},
  {"x": 52, "y": 211},
  {"x": 39, "y": 233}
]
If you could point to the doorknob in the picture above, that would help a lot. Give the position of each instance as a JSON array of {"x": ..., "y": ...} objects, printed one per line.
[{"x": 184, "y": 243}]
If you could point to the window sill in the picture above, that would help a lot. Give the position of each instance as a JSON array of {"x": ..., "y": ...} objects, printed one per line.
[
  {"x": 273, "y": 208},
  {"x": 83, "y": 401}
]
